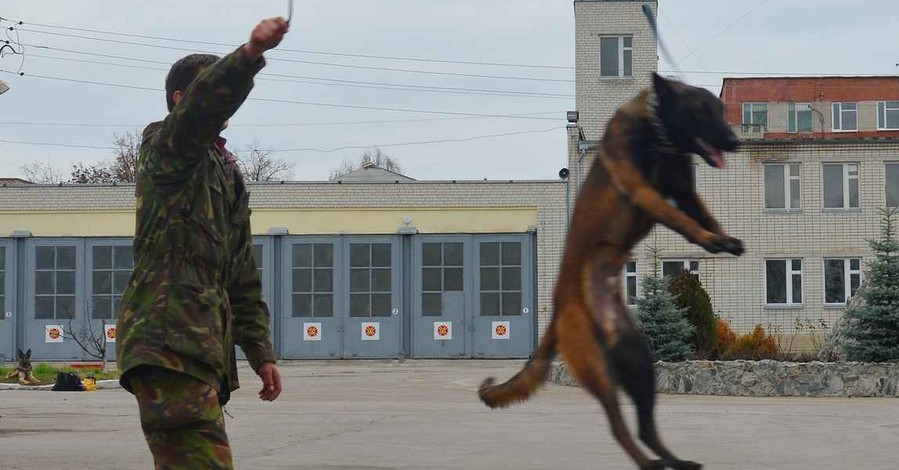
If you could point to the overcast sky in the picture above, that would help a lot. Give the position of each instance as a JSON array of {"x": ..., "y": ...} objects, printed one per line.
[{"x": 730, "y": 36}]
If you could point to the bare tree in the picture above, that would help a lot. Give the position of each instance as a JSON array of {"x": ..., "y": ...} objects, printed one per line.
[
  {"x": 258, "y": 164},
  {"x": 375, "y": 156},
  {"x": 95, "y": 173},
  {"x": 127, "y": 153},
  {"x": 121, "y": 169},
  {"x": 41, "y": 172},
  {"x": 91, "y": 340}
]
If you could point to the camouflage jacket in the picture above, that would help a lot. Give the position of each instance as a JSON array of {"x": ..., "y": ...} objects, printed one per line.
[{"x": 195, "y": 291}]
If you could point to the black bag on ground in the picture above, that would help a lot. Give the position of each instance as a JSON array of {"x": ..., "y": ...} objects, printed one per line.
[{"x": 68, "y": 382}]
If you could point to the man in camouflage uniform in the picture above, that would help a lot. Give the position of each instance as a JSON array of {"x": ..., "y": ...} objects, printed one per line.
[{"x": 195, "y": 291}]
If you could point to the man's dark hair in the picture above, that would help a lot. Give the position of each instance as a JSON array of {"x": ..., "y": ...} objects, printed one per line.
[{"x": 184, "y": 72}]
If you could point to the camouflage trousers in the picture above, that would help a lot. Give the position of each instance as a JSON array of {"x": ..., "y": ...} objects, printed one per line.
[{"x": 182, "y": 420}]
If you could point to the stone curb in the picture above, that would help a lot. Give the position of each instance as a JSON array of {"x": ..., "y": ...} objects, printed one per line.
[
  {"x": 101, "y": 385},
  {"x": 767, "y": 378}
]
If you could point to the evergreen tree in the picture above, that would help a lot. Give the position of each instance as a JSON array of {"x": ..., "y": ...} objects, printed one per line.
[
  {"x": 873, "y": 326},
  {"x": 665, "y": 324}
]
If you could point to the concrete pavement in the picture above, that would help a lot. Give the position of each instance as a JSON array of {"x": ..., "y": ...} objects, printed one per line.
[{"x": 425, "y": 415}]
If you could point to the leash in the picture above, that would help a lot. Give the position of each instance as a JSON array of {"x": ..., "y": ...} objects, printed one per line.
[
  {"x": 647, "y": 11},
  {"x": 289, "y": 10}
]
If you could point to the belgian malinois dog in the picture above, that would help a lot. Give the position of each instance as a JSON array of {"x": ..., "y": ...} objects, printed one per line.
[
  {"x": 641, "y": 172},
  {"x": 24, "y": 372}
]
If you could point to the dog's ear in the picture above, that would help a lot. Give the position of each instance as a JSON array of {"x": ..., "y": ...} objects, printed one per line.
[
  {"x": 662, "y": 86},
  {"x": 28, "y": 354},
  {"x": 21, "y": 355}
]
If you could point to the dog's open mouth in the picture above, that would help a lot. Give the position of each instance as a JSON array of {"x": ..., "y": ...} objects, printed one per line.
[{"x": 711, "y": 154}]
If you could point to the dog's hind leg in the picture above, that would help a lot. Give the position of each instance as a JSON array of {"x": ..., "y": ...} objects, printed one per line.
[
  {"x": 633, "y": 361},
  {"x": 585, "y": 359}
]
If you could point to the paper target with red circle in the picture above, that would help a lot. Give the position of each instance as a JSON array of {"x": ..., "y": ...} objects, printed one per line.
[
  {"x": 312, "y": 331},
  {"x": 371, "y": 331},
  {"x": 53, "y": 333},
  {"x": 502, "y": 330},
  {"x": 109, "y": 331},
  {"x": 443, "y": 330}
]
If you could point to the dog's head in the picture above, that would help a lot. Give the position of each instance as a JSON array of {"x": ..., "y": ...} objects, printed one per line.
[
  {"x": 24, "y": 359},
  {"x": 694, "y": 119}
]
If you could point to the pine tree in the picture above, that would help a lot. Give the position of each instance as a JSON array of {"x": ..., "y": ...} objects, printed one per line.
[
  {"x": 873, "y": 326},
  {"x": 665, "y": 324},
  {"x": 690, "y": 295}
]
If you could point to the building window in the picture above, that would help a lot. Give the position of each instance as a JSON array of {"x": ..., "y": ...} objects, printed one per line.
[
  {"x": 841, "y": 186},
  {"x": 782, "y": 186},
  {"x": 799, "y": 117},
  {"x": 630, "y": 283},
  {"x": 54, "y": 282},
  {"x": 371, "y": 291},
  {"x": 312, "y": 277},
  {"x": 892, "y": 184},
  {"x": 841, "y": 279},
  {"x": 755, "y": 117},
  {"x": 845, "y": 116},
  {"x": 616, "y": 56},
  {"x": 783, "y": 281},
  {"x": 441, "y": 271},
  {"x": 111, "y": 271},
  {"x": 888, "y": 115},
  {"x": 500, "y": 279},
  {"x": 673, "y": 268}
]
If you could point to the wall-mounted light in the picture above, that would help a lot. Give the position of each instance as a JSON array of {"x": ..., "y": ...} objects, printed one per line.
[{"x": 3, "y": 87}]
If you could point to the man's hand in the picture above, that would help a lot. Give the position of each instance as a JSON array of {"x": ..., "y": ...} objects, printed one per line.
[
  {"x": 267, "y": 35},
  {"x": 271, "y": 381}
]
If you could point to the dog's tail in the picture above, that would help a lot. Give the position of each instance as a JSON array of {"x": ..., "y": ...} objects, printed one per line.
[{"x": 523, "y": 384}]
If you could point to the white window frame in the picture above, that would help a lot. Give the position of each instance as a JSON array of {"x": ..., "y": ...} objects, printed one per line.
[
  {"x": 837, "y": 110},
  {"x": 882, "y": 108},
  {"x": 789, "y": 287},
  {"x": 886, "y": 182},
  {"x": 621, "y": 49},
  {"x": 788, "y": 179},
  {"x": 628, "y": 274},
  {"x": 686, "y": 264},
  {"x": 846, "y": 178},
  {"x": 795, "y": 113},
  {"x": 752, "y": 106},
  {"x": 847, "y": 278}
]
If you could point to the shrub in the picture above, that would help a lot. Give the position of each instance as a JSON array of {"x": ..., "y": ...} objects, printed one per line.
[
  {"x": 754, "y": 346},
  {"x": 690, "y": 295},
  {"x": 724, "y": 339}
]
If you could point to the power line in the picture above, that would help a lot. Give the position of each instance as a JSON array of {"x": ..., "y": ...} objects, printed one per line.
[
  {"x": 309, "y": 62},
  {"x": 726, "y": 28},
  {"x": 300, "y": 102},
  {"x": 318, "y": 150},
  {"x": 294, "y": 124},
  {"x": 345, "y": 83},
  {"x": 309, "y": 51},
  {"x": 422, "y": 142},
  {"x": 52, "y": 144}
]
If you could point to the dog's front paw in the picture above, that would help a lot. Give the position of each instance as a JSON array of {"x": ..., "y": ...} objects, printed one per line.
[
  {"x": 723, "y": 244},
  {"x": 685, "y": 465}
]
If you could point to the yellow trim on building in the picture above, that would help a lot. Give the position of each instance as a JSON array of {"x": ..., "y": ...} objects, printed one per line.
[{"x": 373, "y": 221}]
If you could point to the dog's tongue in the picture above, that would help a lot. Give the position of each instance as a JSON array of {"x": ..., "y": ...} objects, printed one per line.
[{"x": 716, "y": 155}]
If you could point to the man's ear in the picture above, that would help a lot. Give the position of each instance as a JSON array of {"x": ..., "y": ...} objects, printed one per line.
[{"x": 662, "y": 86}]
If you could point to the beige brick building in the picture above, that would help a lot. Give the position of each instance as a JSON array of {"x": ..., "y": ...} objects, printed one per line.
[{"x": 820, "y": 156}]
